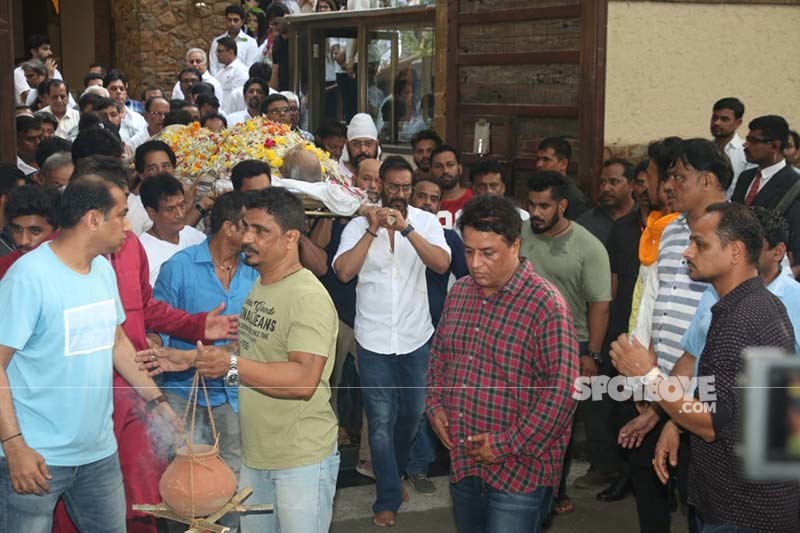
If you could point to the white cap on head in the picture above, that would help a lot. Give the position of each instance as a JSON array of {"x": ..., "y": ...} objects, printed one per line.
[
  {"x": 291, "y": 96},
  {"x": 362, "y": 127}
]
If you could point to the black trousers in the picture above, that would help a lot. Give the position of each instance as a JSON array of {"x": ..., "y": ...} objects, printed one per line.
[{"x": 652, "y": 497}]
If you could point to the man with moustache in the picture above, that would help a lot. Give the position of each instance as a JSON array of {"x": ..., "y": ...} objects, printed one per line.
[
  {"x": 773, "y": 184},
  {"x": 255, "y": 90},
  {"x": 287, "y": 341},
  {"x": 698, "y": 174},
  {"x": 571, "y": 258},
  {"x": 503, "y": 409},
  {"x": 362, "y": 143},
  {"x": 725, "y": 244},
  {"x": 486, "y": 178},
  {"x": 616, "y": 198},
  {"x": 389, "y": 250},
  {"x": 423, "y": 144}
]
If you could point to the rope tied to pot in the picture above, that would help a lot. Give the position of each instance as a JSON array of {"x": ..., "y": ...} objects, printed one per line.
[{"x": 197, "y": 383}]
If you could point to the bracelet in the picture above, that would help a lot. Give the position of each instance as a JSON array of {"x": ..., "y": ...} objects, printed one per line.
[
  {"x": 152, "y": 404},
  {"x": 9, "y": 438},
  {"x": 371, "y": 233}
]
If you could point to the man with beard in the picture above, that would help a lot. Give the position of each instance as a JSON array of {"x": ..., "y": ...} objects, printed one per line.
[
  {"x": 389, "y": 250},
  {"x": 726, "y": 118},
  {"x": 773, "y": 184},
  {"x": 362, "y": 143},
  {"x": 725, "y": 244},
  {"x": 423, "y": 144},
  {"x": 446, "y": 170},
  {"x": 616, "y": 198},
  {"x": 571, "y": 258},
  {"x": 255, "y": 89},
  {"x": 154, "y": 111}
]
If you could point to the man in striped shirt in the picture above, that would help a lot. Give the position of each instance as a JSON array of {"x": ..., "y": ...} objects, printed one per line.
[{"x": 698, "y": 175}]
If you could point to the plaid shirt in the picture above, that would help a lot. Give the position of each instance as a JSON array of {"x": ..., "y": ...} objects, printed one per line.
[{"x": 506, "y": 365}]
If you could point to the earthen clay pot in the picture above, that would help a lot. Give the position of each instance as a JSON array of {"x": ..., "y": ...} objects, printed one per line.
[{"x": 198, "y": 483}]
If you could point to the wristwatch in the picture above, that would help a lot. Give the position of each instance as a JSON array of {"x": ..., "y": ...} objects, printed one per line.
[
  {"x": 406, "y": 231},
  {"x": 648, "y": 378},
  {"x": 596, "y": 357},
  {"x": 232, "y": 377},
  {"x": 199, "y": 208}
]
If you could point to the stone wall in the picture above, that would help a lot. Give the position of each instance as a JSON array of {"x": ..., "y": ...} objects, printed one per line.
[{"x": 152, "y": 37}]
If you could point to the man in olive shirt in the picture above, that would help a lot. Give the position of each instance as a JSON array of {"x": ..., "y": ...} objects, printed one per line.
[
  {"x": 287, "y": 336},
  {"x": 571, "y": 258}
]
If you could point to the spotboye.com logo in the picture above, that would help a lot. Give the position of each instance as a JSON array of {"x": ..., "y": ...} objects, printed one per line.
[{"x": 698, "y": 394}]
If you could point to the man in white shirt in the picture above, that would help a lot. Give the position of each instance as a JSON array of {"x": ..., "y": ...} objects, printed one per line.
[
  {"x": 255, "y": 90},
  {"x": 39, "y": 48},
  {"x": 726, "y": 117},
  {"x": 389, "y": 250},
  {"x": 154, "y": 111},
  {"x": 162, "y": 196},
  {"x": 246, "y": 46},
  {"x": 131, "y": 122},
  {"x": 151, "y": 158},
  {"x": 68, "y": 117},
  {"x": 29, "y": 135},
  {"x": 232, "y": 74},
  {"x": 196, "y": 59}
]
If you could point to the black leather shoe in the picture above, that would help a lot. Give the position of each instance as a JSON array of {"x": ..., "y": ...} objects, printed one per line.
[{"x": 616, "y": 492}]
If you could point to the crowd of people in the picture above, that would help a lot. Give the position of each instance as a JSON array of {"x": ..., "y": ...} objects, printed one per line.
[{"x": 470, "y": 316}]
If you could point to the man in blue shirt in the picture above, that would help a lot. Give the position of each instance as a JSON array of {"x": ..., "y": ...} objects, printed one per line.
[
  {"x": 57, "y": 357},
  {"x": 779, "y": 281},
  {"x": 427, "y": 196},
  {"x": 195, "y": 280}
]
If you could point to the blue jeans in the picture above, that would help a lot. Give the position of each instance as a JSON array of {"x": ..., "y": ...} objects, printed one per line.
[
  {"x": 479, "y": 508},
  {"x": 423, "y": 450},
  {"x": 93, "y": 494},
  {"x": 393, "y": 391},
  {"x": 705, "y": 527},
  {"x": 302, "y": 497}
]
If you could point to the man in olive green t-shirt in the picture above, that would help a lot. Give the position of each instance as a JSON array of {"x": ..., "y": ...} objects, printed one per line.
[
  {"x": 287, "y": 344},
  {"x": 576, "y": 262}
]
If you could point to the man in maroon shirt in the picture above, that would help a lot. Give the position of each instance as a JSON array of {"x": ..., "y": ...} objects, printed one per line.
[
  {"x": 446, "y": 169},
  {"x": 500, "y": 379}
]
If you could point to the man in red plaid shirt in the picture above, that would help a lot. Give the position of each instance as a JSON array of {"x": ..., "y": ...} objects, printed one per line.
[{"x": 503, "y": 363}]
